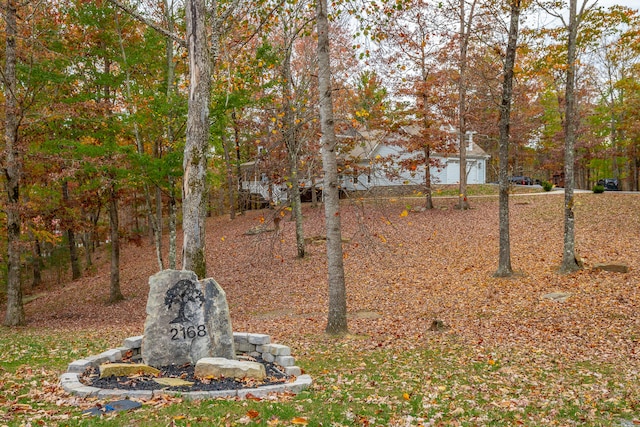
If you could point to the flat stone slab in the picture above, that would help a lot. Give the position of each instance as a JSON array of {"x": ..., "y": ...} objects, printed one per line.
[
  {"x": 173, "y": 382},
  {"x": 126, "y": 369},
  {"x": 79, "y": 366},
  {"x": 217, "y": 367},
  {"x": 557, "y": 296},
  {"x": 615, "y": 267}
]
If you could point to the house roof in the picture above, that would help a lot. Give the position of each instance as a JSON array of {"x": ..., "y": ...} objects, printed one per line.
[
  {"x": 472, "y": 151},
  {"x": 369, "y": 143}
]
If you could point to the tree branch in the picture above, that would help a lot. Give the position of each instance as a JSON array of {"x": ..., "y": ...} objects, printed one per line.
[{"x": 182, "y": 42}]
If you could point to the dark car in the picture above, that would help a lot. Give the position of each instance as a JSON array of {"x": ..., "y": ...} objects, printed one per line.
[
  {"x": 521, "y": 180},
  {"x": 610, "y": 184}
]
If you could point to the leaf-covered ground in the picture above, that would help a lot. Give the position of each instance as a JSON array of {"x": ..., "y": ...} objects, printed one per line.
[
  {"x": 404, "y": 269},
  {"x": 506, "y": 355}
]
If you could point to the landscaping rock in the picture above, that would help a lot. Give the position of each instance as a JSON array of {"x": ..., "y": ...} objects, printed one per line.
[
  {"x": 274, "y": 349},
  {"x": 258, "y": 339},
  {"x": 187, "y": 320},
  {"x": 112, "y": 355},
  {"x": 615, "y": 267},
  {"x": 133, "y": 342},
  {"x": 79, "y": 366},
  {"x": 173, "y": 382},
  {"x": 217, "y": 367},
  {"x": 557, "y": 296},
  {"x": 285, "y": 361},
  {"x": 126, "y": 369},
  {"x": 293, "y": 371}
]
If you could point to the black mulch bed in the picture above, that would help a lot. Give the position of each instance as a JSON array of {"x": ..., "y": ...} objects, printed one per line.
[{"x": 91, "y": 377}]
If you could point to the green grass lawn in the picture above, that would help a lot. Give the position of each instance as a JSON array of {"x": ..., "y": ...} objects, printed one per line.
[{"x": 438, "y": 382}]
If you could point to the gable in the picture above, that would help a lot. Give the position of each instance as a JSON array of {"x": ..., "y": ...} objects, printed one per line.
[{"x": 379, "y": 144}]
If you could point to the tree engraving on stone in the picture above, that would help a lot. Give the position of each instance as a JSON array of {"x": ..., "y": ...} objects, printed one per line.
[{"x": 183, "y": 293}]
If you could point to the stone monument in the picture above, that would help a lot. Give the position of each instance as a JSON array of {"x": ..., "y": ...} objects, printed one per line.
[{"x": 187, "y": 320}]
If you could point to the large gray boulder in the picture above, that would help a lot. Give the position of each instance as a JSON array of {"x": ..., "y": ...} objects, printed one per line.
[{"x": 187, "y": 320}]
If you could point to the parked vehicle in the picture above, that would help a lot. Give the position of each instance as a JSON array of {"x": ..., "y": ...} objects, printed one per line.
[
  {"x": 610, "y": 184},
  {"x": 521, "y": 180}
]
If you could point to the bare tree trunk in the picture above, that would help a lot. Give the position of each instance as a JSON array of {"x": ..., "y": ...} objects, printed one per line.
[
  {"x": 171, "y": 136},
  {"x": 87, "y": 245},
  {"x": 37, "y": 263},
  {"x": 115, "y": 294},
  {"x": 12, "y": 169},
  {"x": 87, "y": 236},
  {"x": 236, "y": 134},
  {"x": 292, "y": 143},
  {"x": 71, "y": 238},
  {"x": 194, "y": 192},
  {"x": 73, "y": 255},
  {"x": 465, "y": 35},
  {"x": 314, "y": 193},
  {"x": 633, "y": 167},
  {"x": 424, "y": 71},
  {"x": 569, "y": 262},
  {"x": 229, "y": 168},
  {"x": 296, "y": 203},
  {"x": 337, "y": 318},
  {"x": 427, "y": 178},
  {"x": 504, "y": 260},
  {"x": 157, "y": 230},
  {"x": 172, "y": 225}
]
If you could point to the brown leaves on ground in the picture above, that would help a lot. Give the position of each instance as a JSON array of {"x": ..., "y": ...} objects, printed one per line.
[{"x": 404, "y": 269}]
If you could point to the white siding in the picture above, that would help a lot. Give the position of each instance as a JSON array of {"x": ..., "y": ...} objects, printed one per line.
[{"x": 389, "y": 173}]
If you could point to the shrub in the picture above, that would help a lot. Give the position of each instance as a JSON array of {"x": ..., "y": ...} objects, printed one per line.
[
  {"x": 547, "y": 186},
  {"x": 598, "y": 188}
]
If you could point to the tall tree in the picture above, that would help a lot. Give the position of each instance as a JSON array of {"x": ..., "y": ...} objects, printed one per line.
[
  {"x": 337, "y": 319},
  {"x": 154, "y": 218},
  {"x": 569, "y": 261},
  {"x": 294, "y": 24},
  {"x": 171, "y": 136},
  {"x": 504, "y": 259},
  {"x": 95, "y": 136},
  {"x": 12, "y": 168},
  {"x": 413, "y": 48},
  {"x": 466, "y": 23},
  {"x": 616, "y": 55},
  {"x": 115, "y": 294},
  {"x": 194, "y": 188}
]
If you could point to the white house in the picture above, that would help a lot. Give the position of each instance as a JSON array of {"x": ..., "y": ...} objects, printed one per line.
[{"x": 378, "y": 160}]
